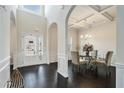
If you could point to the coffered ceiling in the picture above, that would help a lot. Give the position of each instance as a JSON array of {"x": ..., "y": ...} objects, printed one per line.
[{"x": 92, "y": 15}]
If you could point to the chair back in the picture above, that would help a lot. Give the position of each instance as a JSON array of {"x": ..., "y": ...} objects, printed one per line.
[
  {"x": 94, "y": 54},
  {"x": 75, "y": 57},
  {"x": 108, "y": 58}
]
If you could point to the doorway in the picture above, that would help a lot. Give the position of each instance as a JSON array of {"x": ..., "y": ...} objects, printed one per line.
[{"x": 53, "y": 43}]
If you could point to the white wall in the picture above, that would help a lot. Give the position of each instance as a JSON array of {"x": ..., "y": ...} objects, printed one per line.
[
  {"x": 58, "y": 14},
  {"x": 103, "y": 38},
  {"x": 32, "y": 24},
  {"x": 53, "y": 43},
  {"x": 120, "y": 48},
  {"x": 13, "y": 39},
  {"x": 4, "y": 46},
  {"x": 4, "y": 34}
]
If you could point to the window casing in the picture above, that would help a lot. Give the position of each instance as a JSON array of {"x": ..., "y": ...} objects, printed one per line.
[{"x": 35, "y": 9}]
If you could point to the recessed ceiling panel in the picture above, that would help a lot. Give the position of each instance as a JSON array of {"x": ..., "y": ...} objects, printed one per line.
[{"x": 85, "y": 16}]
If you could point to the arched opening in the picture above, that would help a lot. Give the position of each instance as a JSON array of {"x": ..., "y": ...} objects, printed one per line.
[
  {"x": 13, "y": 40},
  {"x": 79, "y": 22},
  {"x": 53, "y": 43},
  {"x": 87, "y": 25}
]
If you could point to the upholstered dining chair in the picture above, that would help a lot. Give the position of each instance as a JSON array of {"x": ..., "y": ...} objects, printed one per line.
[
  {"x": 106, "y": 62},
  {"x": 76, "y": 61}
]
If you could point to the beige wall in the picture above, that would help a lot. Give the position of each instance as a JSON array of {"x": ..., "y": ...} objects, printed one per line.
[
  {"x": 53, "y": 43},
  {"x": 72, "y": 41},
  {"x": 103, "y": 38},
  {"x": 30, "y": 23}
]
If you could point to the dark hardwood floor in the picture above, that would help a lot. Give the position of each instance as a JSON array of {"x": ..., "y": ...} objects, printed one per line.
[{"x": 46, "y": 76}]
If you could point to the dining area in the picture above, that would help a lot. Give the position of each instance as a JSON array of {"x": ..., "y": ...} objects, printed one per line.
[
  {"x": 89, "y": 62},
  {"x": 92, "y": 59}
]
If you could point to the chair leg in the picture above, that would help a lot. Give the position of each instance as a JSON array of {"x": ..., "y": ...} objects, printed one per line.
[
  {"x": 79, "y": 68},
  {"x": 94, "y": 67},
  {"x": 108, "y": 73},
  {"x": 72, "y": 67},
  {"x": 96, "y": 71}
]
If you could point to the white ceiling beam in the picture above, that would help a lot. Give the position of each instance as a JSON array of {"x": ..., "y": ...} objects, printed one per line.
[
  {"x": 106, "y": 8},
  {"x": 96, "y": 10},
  {"x": 107, "y": 15},
  {"x": 95, "y": 7},
  {"x": 102, "y": 12},
  {"x": 83, "y": 19}
]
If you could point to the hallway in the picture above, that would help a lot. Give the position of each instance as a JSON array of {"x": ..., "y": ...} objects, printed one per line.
[{"x": 45, "y": 76}]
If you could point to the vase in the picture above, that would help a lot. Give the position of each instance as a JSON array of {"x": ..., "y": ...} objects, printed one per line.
[{"x": 87, "y": 53}]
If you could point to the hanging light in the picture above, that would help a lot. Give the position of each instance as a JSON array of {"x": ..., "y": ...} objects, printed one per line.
[{"x": 81, "y": 36}]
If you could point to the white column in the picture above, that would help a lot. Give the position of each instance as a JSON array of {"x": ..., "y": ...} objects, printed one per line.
[
  {"x": 120, "y": 47},
  {"x": 62, "y": 49}
]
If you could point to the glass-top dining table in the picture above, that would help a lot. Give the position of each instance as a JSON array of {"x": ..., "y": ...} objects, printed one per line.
[{"x": 88, "y": 60}]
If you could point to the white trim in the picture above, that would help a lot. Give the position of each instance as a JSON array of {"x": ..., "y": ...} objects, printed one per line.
[
  {"x": 5, "y": 59},
  {"x": 62, "y": 58},
  {"x": 3, "y": 64},
  {"x": 4, "y": 67},
  {"x": 119, "y": 65},
  {"x": 63, "y": 74},
  {"x": 4, "y": 71},
  {"x": 119, "y": 75}
]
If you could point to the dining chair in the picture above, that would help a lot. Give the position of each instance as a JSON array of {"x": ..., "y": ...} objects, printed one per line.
[
  {"x": 106, "y": 62},
  {"x": 76, "y": 61}
]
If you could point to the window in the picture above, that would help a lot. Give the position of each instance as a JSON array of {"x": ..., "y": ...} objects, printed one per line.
[{"x": 32, "y": 8}]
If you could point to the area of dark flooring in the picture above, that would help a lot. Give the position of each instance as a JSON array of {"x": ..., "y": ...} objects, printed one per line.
[{"x": 46, "y": 76}]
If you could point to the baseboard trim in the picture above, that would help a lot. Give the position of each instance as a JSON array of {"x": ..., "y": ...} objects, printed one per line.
[
  {"x": 52, "y": 62},
  {"x": 4, "y": 71},
  {"x": 61, "y": 81},
  {"x": 62, "y": 74},
  {"x": 2, "y": 65},
  {"x": 32, "y": 65},
  {"x": 5, "y": 59}
]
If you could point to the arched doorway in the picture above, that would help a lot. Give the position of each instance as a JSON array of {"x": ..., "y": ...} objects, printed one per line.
[
  {"x": 13, "y": 40},
  {"x": 53, "y": 43},
  {"x": 93, "y": 29}
]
